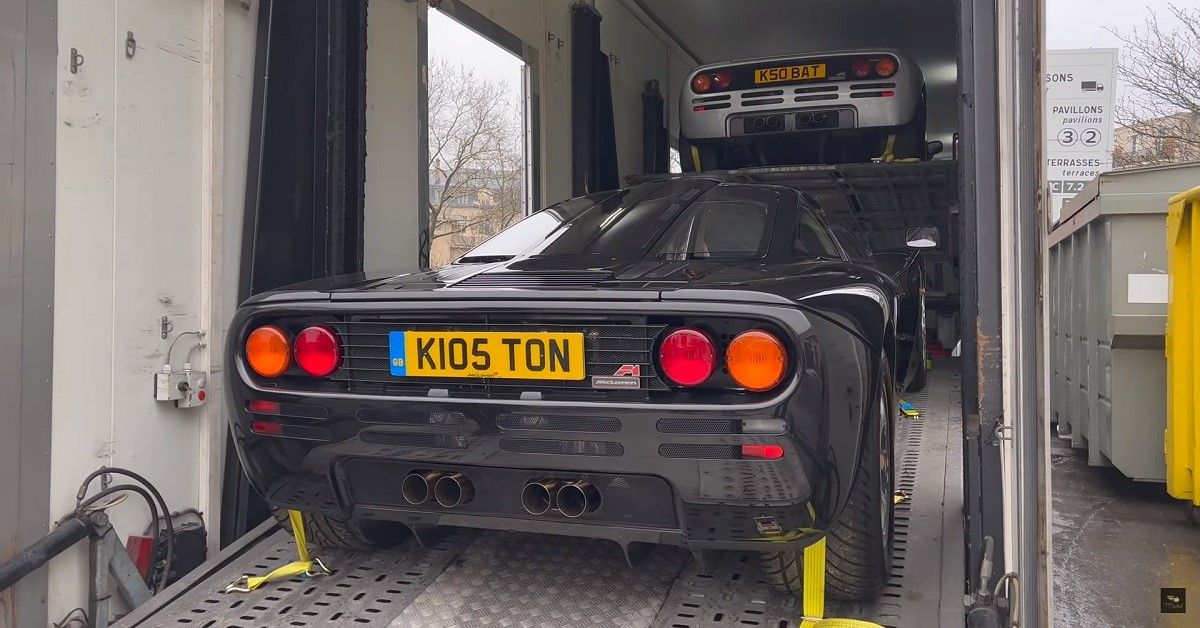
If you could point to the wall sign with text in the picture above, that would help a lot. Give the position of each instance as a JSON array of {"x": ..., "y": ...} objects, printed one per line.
[{"x": 1080, "y": 97}]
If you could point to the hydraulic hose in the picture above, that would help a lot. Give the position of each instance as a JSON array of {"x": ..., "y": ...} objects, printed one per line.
[
  {"x": 75, "y": 527},
  {"x": 162, "y": 503},
  {"x": 31, "y": 558}
]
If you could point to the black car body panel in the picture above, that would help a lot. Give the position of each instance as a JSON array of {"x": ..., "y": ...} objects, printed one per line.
[
  {"x": 908, "y": 269},
  {"x": 665, "y": 459}
]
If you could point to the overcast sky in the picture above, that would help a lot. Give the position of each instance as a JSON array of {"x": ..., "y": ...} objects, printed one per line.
[
  {"x": 1086, "y": 24},
  {"x": 450, "y": 40},
  {"x": 1082, "y": 23}
]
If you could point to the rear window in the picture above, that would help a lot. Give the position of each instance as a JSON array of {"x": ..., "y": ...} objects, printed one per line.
[
  {"x": 684, "y": 218},
  {"x": 527, "y": 234},
  {"x": 627, "y": 230},
  {"x": 611, "y": 225},
  {"x": 730, "y": 222}
]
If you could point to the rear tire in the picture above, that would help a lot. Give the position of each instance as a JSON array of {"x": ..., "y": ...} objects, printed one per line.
[
  {"x": 910, "y": 138},
  {"x": 327, "y": 532},
  {"x": 920, "y": 378},
  {"x": 859, "y": 542}
]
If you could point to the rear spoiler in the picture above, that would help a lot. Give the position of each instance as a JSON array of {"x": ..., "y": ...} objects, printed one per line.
[{"x": 451, "y": 295}]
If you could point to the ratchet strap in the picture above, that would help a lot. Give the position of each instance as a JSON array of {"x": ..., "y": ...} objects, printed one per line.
[
  {"x": 889, "y": 153},
  {"x": 304, "y": 565},
  {"x": 814, "y": 593},
  {"x": 889, "y": 149}
]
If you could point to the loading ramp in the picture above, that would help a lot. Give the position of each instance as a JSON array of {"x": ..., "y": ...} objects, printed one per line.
[{"x": 488, "y": 578}]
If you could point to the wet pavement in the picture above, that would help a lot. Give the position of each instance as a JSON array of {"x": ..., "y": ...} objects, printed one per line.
[{"x": 1116, "y": 543}]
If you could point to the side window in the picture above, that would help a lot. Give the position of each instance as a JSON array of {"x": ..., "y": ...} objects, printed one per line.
[
  {"x": 811, "y": 237},
  {"x": 854, "y": 246}
]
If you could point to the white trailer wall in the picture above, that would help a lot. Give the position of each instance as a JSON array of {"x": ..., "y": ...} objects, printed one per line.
[
  {"x": 393, "y": 131},
  {"x": 147, "y": 225}
]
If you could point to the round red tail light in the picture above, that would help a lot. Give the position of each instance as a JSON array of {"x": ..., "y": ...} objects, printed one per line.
[
  {"x": 687, "y": 356},
  {"x": 701, "y": 83},
  {"x": 318, "y": 351},
  {"x": 886, "y": 67},
  {"x": 861, "y": 68},
  {"x": 722, "y": 80}
]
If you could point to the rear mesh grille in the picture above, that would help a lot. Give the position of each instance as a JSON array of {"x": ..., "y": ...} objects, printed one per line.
[
  {"x": 412, "y": 417},
  {"x": 688, "y": 450},
  {"x": 699, "y": 426},
  {"x": 401, "y": 439},
  {"x": 609, "y": 345},
  {"x": 557, "y": 423},
  {"x": 561, "y": 447}
]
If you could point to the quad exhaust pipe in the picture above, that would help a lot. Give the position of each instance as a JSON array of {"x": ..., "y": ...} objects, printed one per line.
[
  {"x": 576, "y": 498},
  {"x": 806, "y": 120},
  {"x": 453, "y": 490},
  {"x": 538, "y": 496},
  {"x": 449, "y": 490},
  {"x": 417, "y": 486},
  {"x": 571, "y": 498}
]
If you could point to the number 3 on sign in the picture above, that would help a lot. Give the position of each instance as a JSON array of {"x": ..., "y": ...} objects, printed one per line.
[{"x": 1067, "y": 137}]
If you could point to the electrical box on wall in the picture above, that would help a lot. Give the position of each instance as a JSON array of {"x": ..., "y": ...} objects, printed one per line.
[
  {"x": 187, "y": 388},
  {"x": 167, "y": 385},
  {"x": 193, "y": 389}
]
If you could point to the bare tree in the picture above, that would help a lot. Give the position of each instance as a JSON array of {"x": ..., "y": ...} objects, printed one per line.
[
  {"x": 476, "y": 162},
  {"x": 505, "y": 184},
  {"x": 1160, "y": 111}
]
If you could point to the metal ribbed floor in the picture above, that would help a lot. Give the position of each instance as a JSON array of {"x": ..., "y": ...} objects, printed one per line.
[{"x": 474, "y": 578}]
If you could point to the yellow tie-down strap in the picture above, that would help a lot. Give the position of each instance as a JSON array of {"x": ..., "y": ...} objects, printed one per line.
[
  {"x": 889, "y": 153},
  {"x": 304, "y": 565},
  {"x": 814, "y": 593}
]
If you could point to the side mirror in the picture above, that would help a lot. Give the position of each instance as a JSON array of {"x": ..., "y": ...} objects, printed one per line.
[
  {"x": 934, "y": 147},
  {"x": 921, "y": 237}
]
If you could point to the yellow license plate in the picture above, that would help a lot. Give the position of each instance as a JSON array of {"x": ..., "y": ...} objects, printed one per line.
[
  {"x": 790, "y": 73},
  {"x": 496, "y": 354}
]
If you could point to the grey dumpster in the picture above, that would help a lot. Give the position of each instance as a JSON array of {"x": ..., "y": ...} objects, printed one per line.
[{"x": 1107, "y": 307}]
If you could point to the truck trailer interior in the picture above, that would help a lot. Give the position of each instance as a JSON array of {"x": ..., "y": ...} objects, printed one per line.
[
  {"x": 337, "y": 181},
  {"x": 952, "y": 524}
]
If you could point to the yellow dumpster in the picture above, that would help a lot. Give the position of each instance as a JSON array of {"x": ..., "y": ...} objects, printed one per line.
[{"x": 1181, "y": 440}]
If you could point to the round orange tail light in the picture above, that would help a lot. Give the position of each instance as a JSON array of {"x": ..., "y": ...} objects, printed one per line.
[
  {"x": 268, "y": 351},
  {"x": 886, "y": 67},
  {"x": 756, "y": 360}
]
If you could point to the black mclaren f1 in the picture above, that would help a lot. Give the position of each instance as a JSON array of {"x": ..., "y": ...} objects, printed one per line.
[{"x": 692, "y": 361}]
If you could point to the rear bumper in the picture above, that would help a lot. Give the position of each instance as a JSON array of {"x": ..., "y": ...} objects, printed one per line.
[
  {"x": 649, "y": 493},
  {"x": 856, "y": 112},
  {"x": 667, "y": 473}
]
